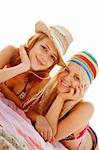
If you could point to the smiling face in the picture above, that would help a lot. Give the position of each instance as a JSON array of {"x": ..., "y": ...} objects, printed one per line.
[
  {"x": 69, "y": 78},
  {"x": 43, "y": 55}
]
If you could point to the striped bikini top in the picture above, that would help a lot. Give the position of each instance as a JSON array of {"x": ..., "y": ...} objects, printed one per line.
[{"x": 24, "y": 92}]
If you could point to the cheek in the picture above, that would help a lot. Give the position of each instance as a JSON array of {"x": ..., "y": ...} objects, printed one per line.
[
  {"x": 75, "y": 84},
  {"x": 31, "y": 58},
  {"x": 31, "y": 53}
]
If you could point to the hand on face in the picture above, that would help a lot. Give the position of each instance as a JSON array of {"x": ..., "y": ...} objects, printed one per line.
[
  {"x": 73, "y": 94},
  {"x": 43, "y": 55},
  {"x": 44, "y": 129},
  {"x": 24, "y": 58}
]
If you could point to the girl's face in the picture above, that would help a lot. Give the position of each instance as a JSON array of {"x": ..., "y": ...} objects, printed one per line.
[
  {"x": 69, "y": 78},
  {"x": 43, "y": 55}
]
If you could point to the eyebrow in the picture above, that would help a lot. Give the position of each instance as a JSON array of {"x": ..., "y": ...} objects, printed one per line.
[
  {"x": 77, "y": 74},
  {"x": 49, "y": 50},
  {"x": 69, "y": 70}
]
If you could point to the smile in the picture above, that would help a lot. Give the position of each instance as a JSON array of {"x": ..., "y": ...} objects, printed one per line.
[
  {"x": 65, "y": 84},
  {"x": 39, "y": 61}
]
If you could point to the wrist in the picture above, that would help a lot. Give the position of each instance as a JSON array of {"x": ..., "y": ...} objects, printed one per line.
[
  {"x": 38, "y": 116},
  {"x": 60, "y": 96}
]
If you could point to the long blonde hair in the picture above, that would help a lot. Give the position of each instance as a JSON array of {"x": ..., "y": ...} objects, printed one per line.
[{"x": 42, "y": 102}]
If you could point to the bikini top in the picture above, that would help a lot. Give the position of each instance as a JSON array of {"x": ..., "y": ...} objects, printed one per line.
[
  {"x": 24, "y": 92},
  {"x": 73, "y": 137}
]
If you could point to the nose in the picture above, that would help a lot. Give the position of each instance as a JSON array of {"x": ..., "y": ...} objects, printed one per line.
[
  {"x": 68, "y": 78},
  {"x": 43, "y": 59}
]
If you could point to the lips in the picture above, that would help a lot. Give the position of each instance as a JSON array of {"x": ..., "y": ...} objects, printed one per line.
[{"x": 65, "y": 84}]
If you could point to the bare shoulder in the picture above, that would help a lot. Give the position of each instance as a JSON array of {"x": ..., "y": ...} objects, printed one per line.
[
  {"x": 87, "y": 105},
  {"x": 85, "y": 108},
  {"x": 6, "y": 54},
  {"x": 8, "y": 48}
]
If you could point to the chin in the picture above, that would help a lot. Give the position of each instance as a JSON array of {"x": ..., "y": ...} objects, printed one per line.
[{"x": 37, "y": 68}]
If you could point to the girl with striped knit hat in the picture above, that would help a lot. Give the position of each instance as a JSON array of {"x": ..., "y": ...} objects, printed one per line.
[{"x": 62, "y": 103}]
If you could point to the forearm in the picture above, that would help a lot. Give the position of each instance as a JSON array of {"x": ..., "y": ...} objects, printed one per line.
[
  {"x": 53, "y": 114},
  {"x": 32, "y": 115},
  {"x": 75, "y": 121},
  {"x": 9, "y": 73}
]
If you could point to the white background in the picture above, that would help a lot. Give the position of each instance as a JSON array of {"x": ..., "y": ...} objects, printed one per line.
[{"x": 17, "y": 19}]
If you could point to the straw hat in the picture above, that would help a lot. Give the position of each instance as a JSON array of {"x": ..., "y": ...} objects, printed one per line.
[{"x": 60, "y": 36}]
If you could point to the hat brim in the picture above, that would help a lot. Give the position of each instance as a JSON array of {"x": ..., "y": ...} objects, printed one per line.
[{"x": 41, "y": 27}]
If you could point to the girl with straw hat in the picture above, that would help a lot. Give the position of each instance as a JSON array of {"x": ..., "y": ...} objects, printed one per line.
[{"x": 25, "y": 70}]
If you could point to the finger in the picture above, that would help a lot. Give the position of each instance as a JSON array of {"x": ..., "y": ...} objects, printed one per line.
[
  {"x": 77, "y": 91},
  {"x": 82, "y": 91},
  {"x": 53, "y": 139},
  {"x": 71, "y": 91},
  {"x": 76, "y": 94},
  {"x": 45, "y": 133},
  {"x": 50, "y": 135},
  {"x": 41, "y": 133},
  {"x": 4, "y": 68}
]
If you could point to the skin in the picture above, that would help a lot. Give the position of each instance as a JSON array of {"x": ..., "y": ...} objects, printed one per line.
[
  {"x": 42, "y": 56},
  {"x": 69, "y": 79},
  {"x": 69, "y": 86}
]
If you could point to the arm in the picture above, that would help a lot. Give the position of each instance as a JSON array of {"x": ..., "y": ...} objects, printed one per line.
[
  {"x": 8, "y": 73},
  {"x": 75, "y": 120},
  {"x": 57, "y": 105},
  {"x": 53, "y": 113},
  {"x": 32, "y": 115},
  {"x": 41, "y": 125},
  {"x": 11, "y": 72}
]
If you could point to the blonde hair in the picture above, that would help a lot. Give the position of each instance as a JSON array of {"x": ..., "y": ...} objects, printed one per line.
[
  {"x": 49, "y": 92},
  {"x": 84, "y": 77}
]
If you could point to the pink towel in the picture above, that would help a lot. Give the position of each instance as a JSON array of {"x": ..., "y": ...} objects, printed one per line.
[{"x": 12, "y": 121}]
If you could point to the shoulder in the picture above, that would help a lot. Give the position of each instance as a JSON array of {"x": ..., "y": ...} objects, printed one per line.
[
  {"x": 86, "y": 108},
  {"x": 87, "y": 105},
  {"x": 9, "y": 49}
]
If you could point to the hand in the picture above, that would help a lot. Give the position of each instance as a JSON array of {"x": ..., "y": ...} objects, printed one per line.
[
  {"x": 76, "y": 94},
  {"x": 24, "y": 58},
  {"x": 44, "y": 129}
]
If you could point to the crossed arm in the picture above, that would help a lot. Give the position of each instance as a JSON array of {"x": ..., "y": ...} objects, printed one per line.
[{"x": 73, "y": 122}]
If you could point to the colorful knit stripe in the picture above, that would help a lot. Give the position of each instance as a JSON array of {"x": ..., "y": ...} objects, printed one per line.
[
  {"x": 92, "y": 59},
  {"x": 88, "y": 62},
  {"x": 90, "y": 56},
  {"x": 83, "y": 66},
  {"x": 80, "y": 59}
]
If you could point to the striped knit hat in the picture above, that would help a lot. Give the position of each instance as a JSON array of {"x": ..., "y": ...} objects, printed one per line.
[{"x": 87, "y": 62}]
